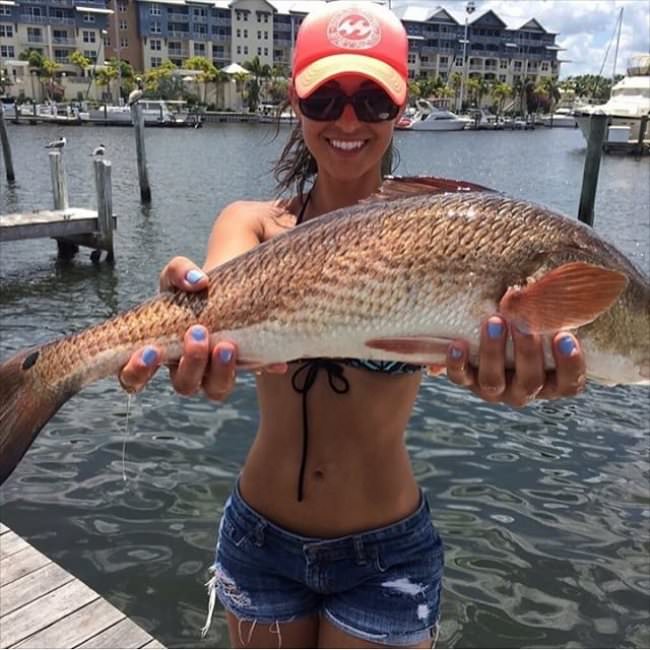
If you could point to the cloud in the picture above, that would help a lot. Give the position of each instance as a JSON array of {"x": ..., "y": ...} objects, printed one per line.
[{"x": 583, "y": 27}]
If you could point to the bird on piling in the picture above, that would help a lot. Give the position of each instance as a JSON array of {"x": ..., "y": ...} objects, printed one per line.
[
  {"x": 136, "y": 94},
  {"x": 56, "y": 144},
  {"x": 98, "y": 152}
]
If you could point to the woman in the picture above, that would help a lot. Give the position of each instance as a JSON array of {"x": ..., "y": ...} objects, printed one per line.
[{"x": 327, "y": 540}]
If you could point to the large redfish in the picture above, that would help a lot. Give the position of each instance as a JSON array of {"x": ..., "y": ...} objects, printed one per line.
[{"x": 394, "y": 277}]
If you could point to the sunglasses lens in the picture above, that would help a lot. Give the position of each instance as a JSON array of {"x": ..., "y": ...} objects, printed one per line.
[
  {"x": 323, "y": 106},
  {"x": 370, "y": 105},
  {"x": 374, "y": 106}
]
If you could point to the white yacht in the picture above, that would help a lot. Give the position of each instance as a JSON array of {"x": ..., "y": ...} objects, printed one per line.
[
  {"x": 157, "y": 112},
  {"x": 562, "y": 117},
  {"x": 428, "y": 117},
  {"x": 628, "y": 103}
]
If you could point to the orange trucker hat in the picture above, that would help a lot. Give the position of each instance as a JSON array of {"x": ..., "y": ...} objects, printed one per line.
[{"x": 351, "y": 37}]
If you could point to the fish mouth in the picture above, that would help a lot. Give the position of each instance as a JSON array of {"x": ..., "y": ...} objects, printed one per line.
[{"x": 347, "y": 147}]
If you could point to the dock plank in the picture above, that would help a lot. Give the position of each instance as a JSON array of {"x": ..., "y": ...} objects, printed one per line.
[
  {"x": 80, "y": 626},
  {"x": 125, "y": 634},
  {"x": 43, "y": 606},
  {"x": 3, "y": 529},
  {"x": 21, "y": 564},
  {"x": 32, "y": 586},
  {"x": 48, "y": 223},
  {"x": 11, "y": 543},
  {"x": 39, "y": 614}
]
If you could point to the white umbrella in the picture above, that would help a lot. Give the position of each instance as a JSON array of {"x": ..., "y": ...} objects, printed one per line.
[{"x": 235, "y": 68}]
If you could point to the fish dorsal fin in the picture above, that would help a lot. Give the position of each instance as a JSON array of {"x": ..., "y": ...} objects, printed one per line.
[{"x": 399, "y": 187}]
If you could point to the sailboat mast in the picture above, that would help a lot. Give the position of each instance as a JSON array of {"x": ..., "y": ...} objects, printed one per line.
[{"x": 618, "y": 39}]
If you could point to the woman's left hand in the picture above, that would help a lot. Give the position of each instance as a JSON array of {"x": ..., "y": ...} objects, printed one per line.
[{"x": 528, "y": 380}]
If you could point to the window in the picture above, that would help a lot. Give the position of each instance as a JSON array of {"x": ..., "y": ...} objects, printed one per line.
[
  {"x": 155, "y": 44},
  {"x": 266, "y": 36},
  {"x": 444, "y": 60},
  {"x": 88, "y": 37},
  {"x": 123, "y": 25},
  {"x": 545, "y": 67},
  {"x": 199, "y": 49},
  {"x": 266, "y": 51},
  {"x": 7, "y": 51},
  {"x": 245, "y": 49},
  {"x": 239, "y": 49},
  {"x": 155, "y": 28},
  {"x": 34, "y": 35},
  {"x": 122, "y": 7},
  {"x": 259, "y": 51},
  {"x": 245, "y": 33},
  {"x": 5, "y": 11},
  {"x": 239, "y": 33},
  {"x": 155, "y": 10},
  {"x": 6, "y": 31},
  {"x": 89, "y": 18},
  {"x": 91, "y": 54},
  {"x": 503, "y": 64},
  {"x": 156, "y": 61},
  {"x": 259, "y": 35},
  {"x": 124, "y": 42},
  {"x": 412, "y": 57},
  {"x": 502, "y": 77}
]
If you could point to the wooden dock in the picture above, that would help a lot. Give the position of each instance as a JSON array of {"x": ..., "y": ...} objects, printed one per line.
[{"x": 43, "y": 606}]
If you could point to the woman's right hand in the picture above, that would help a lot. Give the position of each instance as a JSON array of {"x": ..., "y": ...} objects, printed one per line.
[{"x": 200, "y": 367}]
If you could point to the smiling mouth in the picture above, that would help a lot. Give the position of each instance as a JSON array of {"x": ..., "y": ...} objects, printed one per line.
[{"x": 346, "y": 145}]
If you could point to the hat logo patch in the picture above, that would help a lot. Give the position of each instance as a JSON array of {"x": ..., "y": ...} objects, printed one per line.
[{"x": 353, "y": 30}]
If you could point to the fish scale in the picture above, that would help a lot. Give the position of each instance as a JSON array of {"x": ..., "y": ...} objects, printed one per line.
[{"x": 392, "y": 278}]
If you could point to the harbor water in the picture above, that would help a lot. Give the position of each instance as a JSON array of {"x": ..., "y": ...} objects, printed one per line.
[{"x": 544, "y": 511}]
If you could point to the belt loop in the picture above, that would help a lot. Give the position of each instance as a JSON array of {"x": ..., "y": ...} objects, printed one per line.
[
  {"x": 359, "y": 551},
  {"x": 259, "y": 534}
]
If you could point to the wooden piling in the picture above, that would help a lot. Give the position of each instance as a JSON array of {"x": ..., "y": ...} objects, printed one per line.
[
  {"x": 138, "y": 122},
  {"x": 642, "y": 129},
  {"x": 6, "y": 148},
  {"x": 66, "y": 249},
  {"x": 597, "y": 129},
  {"x": 104, "y": 208}
]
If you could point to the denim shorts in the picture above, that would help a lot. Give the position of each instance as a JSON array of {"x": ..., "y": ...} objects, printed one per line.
[{"x": 382, "y": 585}]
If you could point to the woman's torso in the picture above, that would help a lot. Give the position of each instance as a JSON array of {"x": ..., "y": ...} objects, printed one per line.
[{"x": 357, "y": 473}]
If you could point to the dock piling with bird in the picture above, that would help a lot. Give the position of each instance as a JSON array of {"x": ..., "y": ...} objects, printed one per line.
[{"x": 6, "y": 148}]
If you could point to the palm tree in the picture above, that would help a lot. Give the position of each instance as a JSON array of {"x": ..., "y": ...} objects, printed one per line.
[
  {"x": 259, "y": 71},
  {"x": 83, "y": 63},
  {"x": 207, "y": 70},
  {"x": 500, "y": 92},
  {"x": 472, "y": 86},
  {"x": 455, "y": 82},
  {"x": 517, "y": 94}
]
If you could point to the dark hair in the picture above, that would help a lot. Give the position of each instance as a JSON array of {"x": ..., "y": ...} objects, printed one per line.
[{"x": 296, "y": 166}]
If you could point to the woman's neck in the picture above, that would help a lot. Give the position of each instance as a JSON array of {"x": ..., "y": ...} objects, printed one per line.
[{"x": 331, "y": 194}]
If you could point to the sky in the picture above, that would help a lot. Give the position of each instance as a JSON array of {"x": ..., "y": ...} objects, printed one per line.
[{"x": 584, "y": 27}]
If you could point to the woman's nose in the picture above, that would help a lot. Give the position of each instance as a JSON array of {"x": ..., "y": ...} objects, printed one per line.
[{"x": 348, "y": 118}]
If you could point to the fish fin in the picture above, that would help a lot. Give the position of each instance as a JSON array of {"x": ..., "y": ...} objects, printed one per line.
[
  {"x": 25, "y": 407},
  {"x": 399, "y": 187},
  {"x": 567, "y": 297},
  {"x": 427, "y": 350}
]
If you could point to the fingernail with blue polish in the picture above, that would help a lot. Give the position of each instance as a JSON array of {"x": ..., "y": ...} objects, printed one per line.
[
  {"x": 198, "y": 334},
  {"x": 193, "y": 276},
  {"x": 149, "y": 356},
  {"x": 456, "y": 353},
  {"x": 494, "y": 329},
  {"x": 566, "y": 345},
  {"x": 225, "y": 355}
]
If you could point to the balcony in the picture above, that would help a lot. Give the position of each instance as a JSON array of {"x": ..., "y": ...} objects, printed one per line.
[
  {"x": 176, "y": 34},
  {"x": 200, "y": 36},
  {"x": 33, "y": 38},
  {"x": 178, "y": 53},
  {"x": 177, "y": 18},
  {"x": 61, "y": 40}
]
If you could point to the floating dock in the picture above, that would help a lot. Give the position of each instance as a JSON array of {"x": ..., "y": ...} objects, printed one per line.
[{"x": 43, "y": 606}]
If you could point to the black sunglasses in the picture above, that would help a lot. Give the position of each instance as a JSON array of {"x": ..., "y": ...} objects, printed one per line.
[{"x": 328, "y": 103}]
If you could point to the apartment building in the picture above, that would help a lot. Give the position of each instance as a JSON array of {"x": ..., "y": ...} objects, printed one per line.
[{"x": 148, "y": 32}]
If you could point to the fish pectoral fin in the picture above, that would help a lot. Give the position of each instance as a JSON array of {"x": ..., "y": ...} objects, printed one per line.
[
  {"x": 425, "y": 350},
  {"x": 567, "y": 297},
  {"x": 400, "y": 187}
]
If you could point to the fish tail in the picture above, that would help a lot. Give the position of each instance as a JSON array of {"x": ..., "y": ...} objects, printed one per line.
[{"x": 26, "y": 404}]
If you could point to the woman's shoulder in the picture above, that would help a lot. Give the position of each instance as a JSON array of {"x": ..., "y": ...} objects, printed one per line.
[{"x": 268, "y": 217}]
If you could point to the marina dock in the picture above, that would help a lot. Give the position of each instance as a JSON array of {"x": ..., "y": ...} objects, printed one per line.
[{"x": 43, "y": 606}]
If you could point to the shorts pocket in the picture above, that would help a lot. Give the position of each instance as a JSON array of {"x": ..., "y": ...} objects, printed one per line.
[{"x": 233, "y": 533}]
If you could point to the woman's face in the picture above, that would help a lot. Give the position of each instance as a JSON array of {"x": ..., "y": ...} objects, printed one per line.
[{"x": 347, "y": 148}]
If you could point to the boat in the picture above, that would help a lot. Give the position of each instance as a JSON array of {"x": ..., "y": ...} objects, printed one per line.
[
  {"x": 427, "y": 117},
  {"x": 157, "y": 112},
  {"x": 273, "y": 113},
  {"x": 628, "y": 104},
  {"x": 562, "y": 117},
  {"x": 480, "y": 118}
]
